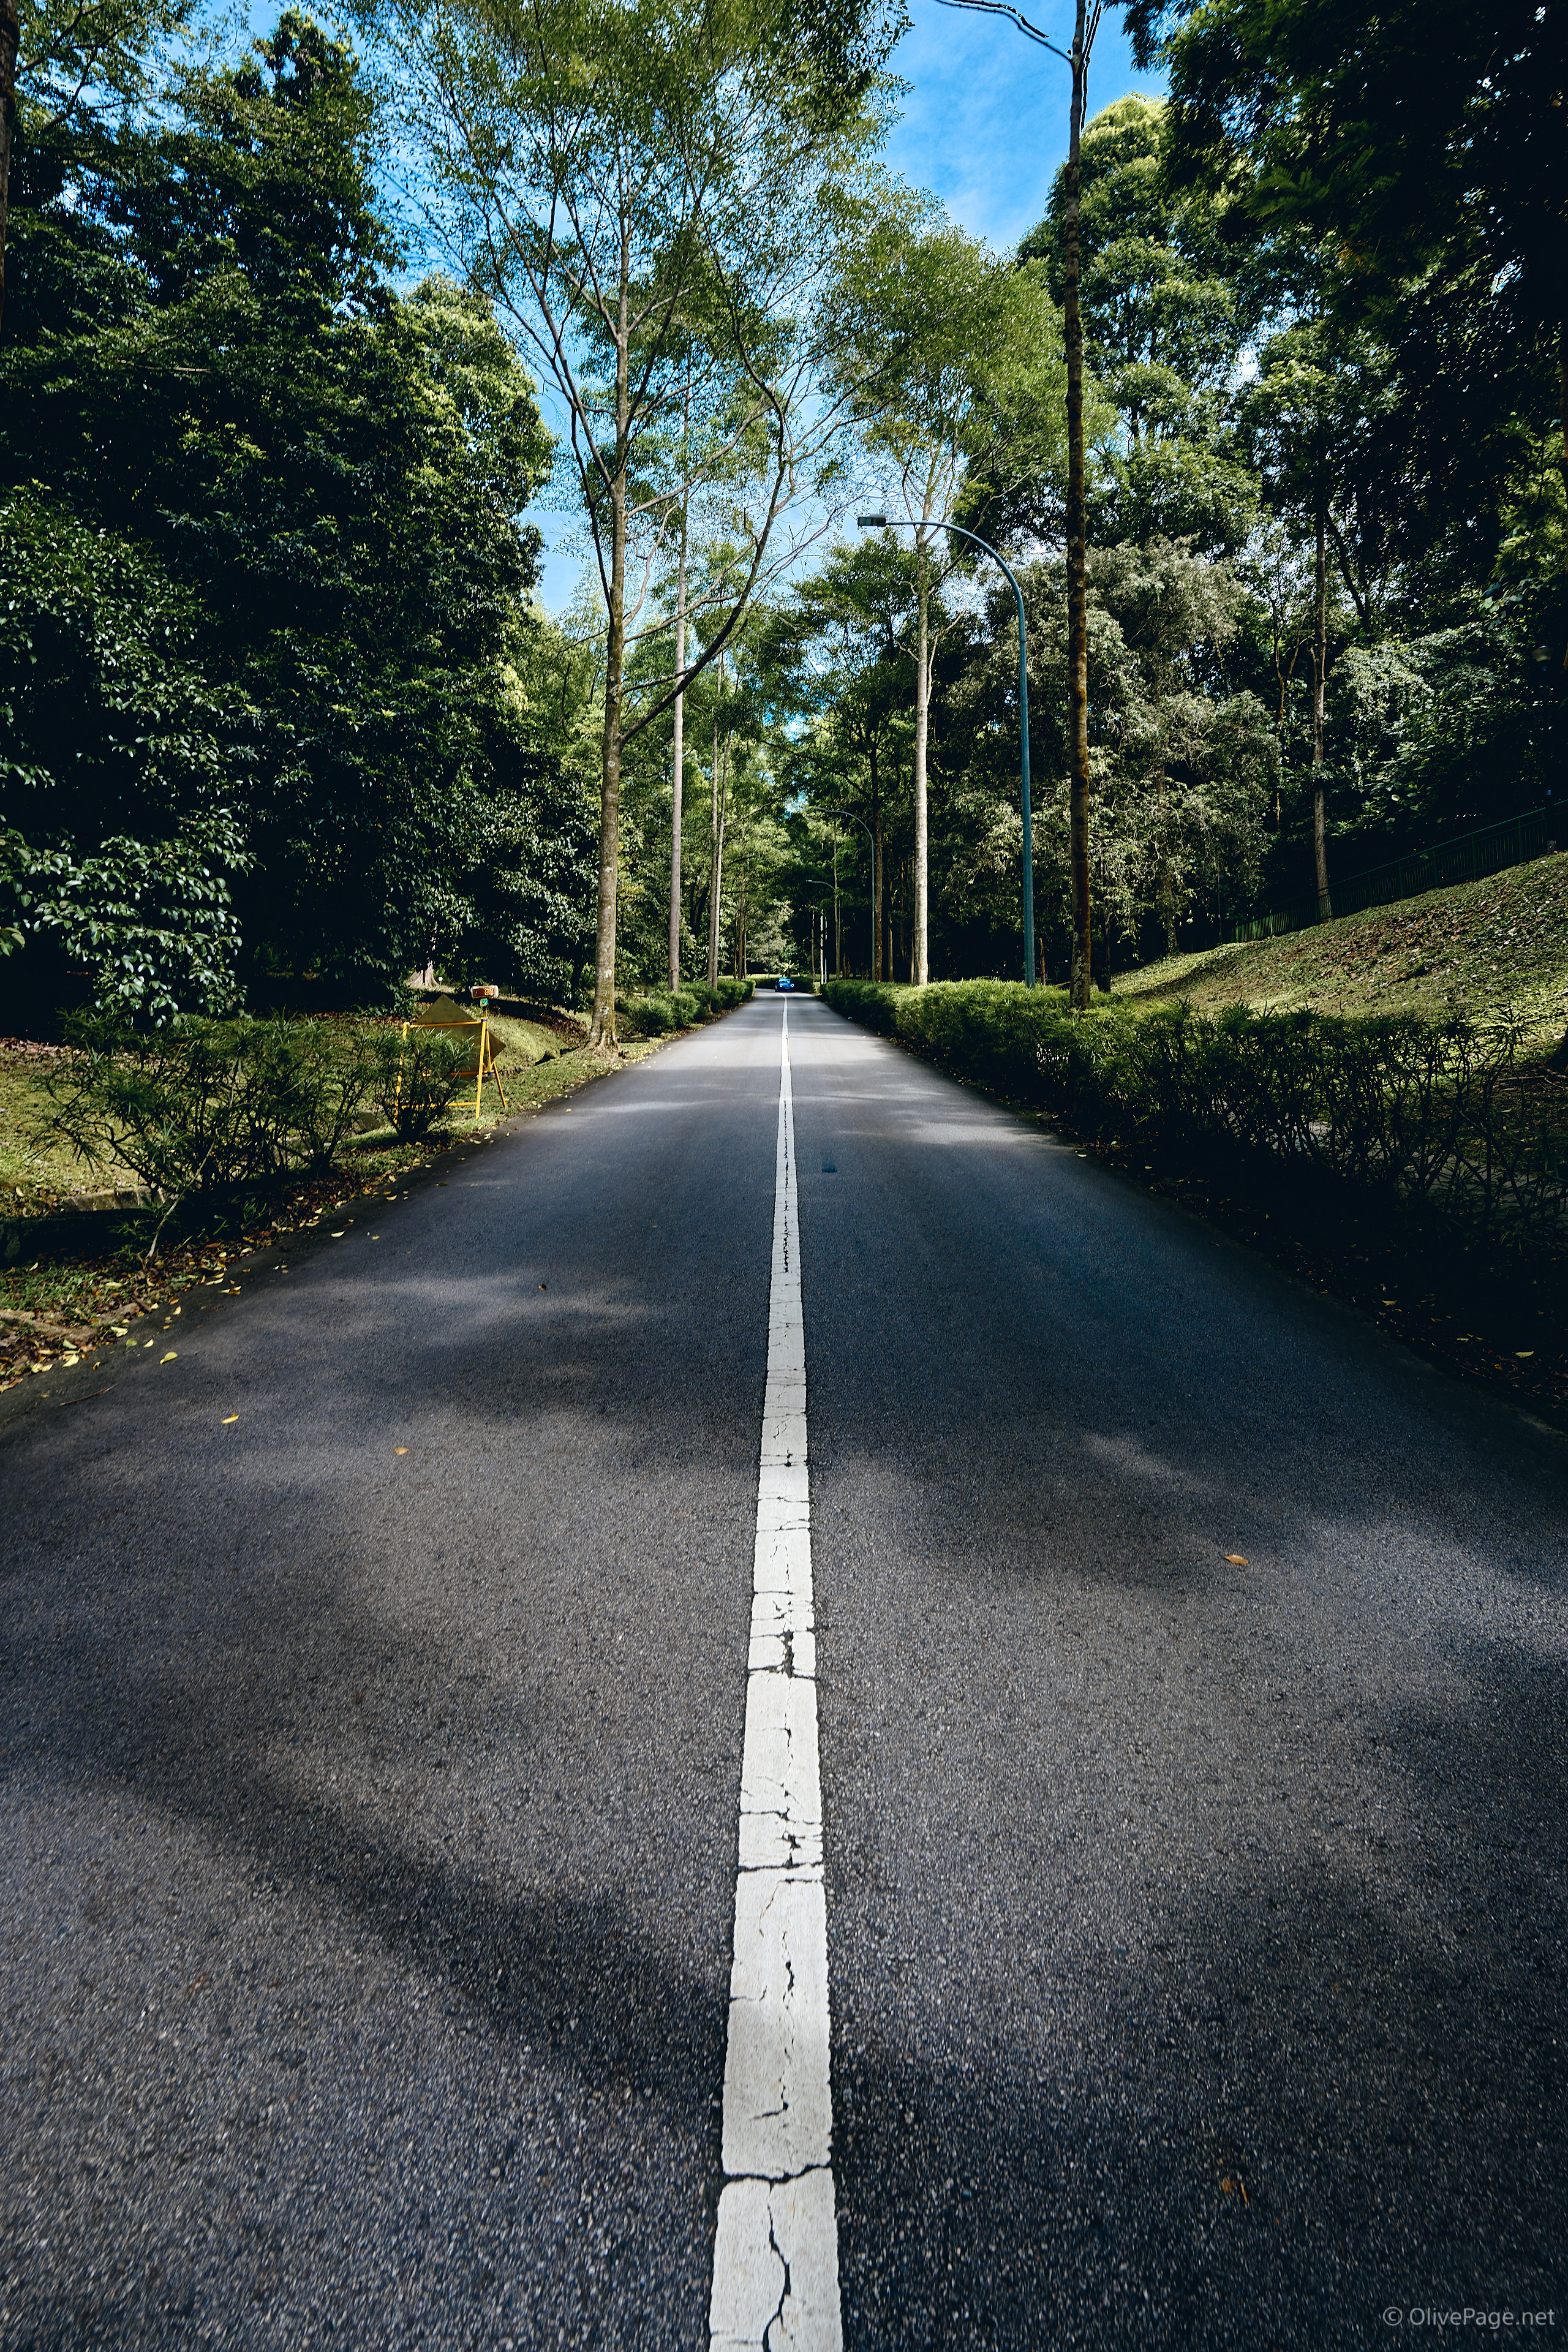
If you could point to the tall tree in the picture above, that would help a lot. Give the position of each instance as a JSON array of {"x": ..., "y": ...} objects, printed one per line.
[
  {"x": 1425, "y": 144},
  {"x": 635, "y": 184},
  {"x": 1086, "y": 18},
  {"x": 68, "y": 64},
  {"x": 950, "y": 356},
  {"x": 839, "y": 652},
  {"x": 205, "y": 362},
  {"x": 1310, "y": 417},
  {"x": 1168, "y": 305}
]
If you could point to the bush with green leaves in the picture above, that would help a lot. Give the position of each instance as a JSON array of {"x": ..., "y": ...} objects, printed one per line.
[
  {"x": 121, "y": 851},
  {"x": 656, "y": 1012},
  {"x": 209, "y": 1107},
  {"x": 418, "y": 1075},
  {"x": 1440, "y": 1114}
]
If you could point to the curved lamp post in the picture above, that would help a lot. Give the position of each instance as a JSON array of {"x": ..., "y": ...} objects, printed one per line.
[
  {"x": 876, "y": 895},
  {"x": 882, "y": 523}
]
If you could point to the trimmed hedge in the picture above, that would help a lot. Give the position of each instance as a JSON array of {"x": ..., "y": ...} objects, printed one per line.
[
  {"x": 1432, "y": 1113},
  {"x": 657, "y": 1012}
]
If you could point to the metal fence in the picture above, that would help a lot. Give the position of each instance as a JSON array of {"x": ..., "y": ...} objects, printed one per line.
[{"x": 1469, "y": 857}]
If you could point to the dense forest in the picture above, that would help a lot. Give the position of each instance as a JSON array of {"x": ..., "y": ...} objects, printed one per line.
[{"x": 282, "y": 719}]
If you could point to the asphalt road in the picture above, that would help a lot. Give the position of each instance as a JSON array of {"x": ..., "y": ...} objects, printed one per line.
[{"x": 1195, "y": 1930}]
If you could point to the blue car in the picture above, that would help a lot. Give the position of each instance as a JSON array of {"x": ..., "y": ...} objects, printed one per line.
[{"x": 784, "y": 985}]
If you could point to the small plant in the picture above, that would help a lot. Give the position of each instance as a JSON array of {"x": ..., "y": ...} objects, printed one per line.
[
  {"x": 418, "y": 1076},
  {"x": 186, "y": 1109},
  {"x": 318, "y": 1076},
  {"x": 208, "y": 1108}
]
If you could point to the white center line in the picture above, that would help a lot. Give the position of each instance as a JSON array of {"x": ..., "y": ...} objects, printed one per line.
[{"x": 775, "y": 2258}]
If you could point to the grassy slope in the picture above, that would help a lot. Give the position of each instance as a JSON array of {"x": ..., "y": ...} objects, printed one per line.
[
  {"x": 30, "y": 1173},
  {"x": 1483, "y": 949}
]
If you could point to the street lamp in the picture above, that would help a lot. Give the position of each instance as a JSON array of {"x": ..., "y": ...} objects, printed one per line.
[
  {"x": 882, "y": 523},
  {"x": 876, "y": 895}
]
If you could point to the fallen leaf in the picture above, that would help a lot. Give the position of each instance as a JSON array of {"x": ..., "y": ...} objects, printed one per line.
[
  {"x": 229, "y": 1417},
  {"x": 1524, "y": 1351},
  {"x": 170, "y": 1356},
  {"x": 1237, "y": 1558},
  {"x": 400, "y": 1449},
  {"x": 337, "y": 1237}
]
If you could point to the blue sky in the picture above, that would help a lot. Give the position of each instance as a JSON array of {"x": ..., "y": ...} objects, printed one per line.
[
  {"x": 984, "y": 126},
  {"x": 985, "y": 121}
]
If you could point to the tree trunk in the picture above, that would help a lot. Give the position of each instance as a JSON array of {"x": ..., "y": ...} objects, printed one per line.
[
  {"x": 721, "y": 794},
  {"x": 677, "y": 772},
  {"x": 1320, "y": 669},
  {"x": 921, "y": 972},
  {"x": 1078, "y": 562},
  {"x": 602, "y": 1027},
  {"x": 876, "y": 867},
  {"x": 10, "y": 33},
  {"x": 837, "y": 942}
]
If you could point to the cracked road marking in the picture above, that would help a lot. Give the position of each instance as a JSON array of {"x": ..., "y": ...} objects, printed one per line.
[{"x": 775, "y": 2258}]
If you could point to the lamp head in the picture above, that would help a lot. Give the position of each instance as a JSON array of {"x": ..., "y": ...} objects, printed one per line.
[{"x": 870, "y": 522}]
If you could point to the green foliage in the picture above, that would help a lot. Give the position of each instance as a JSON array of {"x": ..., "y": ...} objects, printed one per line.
[
  {"x": 511, "y": 896},
  {"x": 952, "y": 358},
  {"x": 657, "y": 1012},
  {"x": 1168, "y": 309},
  {"x": 206, "y": 367},
  {"x": 120, "y": 849},
  {"x": 1432, "y": 1114},
  {"x": 208, "y": 1107},
  {"x": 417, "y": 1076},
  {"x": 1426, "y": 141}
]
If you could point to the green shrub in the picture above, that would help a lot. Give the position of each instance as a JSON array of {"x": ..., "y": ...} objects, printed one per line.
[
  {"x": 418, "y": 1075},
  {"x": 208, "y": 1107},
  {"x": 655, "y": 1013},
  {"x": 318, "y": 1076},
  {"x": 1438, "y": 1113}
]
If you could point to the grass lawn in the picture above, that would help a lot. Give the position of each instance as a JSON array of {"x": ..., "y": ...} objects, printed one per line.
[
  {"x": 33, "y": 1175},
  {"x": 1484, "y": 949}
]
